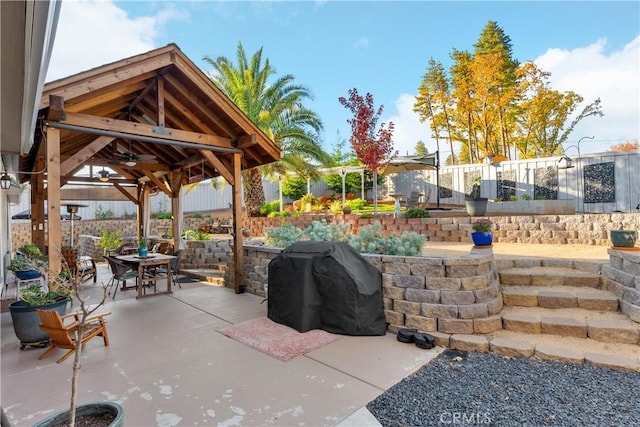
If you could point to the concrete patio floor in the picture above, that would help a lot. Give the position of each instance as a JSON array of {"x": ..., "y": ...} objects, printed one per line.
[{"x": 168, "y": 366}]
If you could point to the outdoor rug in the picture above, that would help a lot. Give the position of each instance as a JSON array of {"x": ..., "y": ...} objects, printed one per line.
[{"x": 276, "y": 340}]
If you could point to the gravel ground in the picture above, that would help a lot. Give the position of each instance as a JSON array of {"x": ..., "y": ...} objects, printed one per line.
[{"x": 471, "y": 389}]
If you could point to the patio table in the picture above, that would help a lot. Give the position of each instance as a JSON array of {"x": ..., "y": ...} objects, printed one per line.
[{"x": 147, "y": 270}]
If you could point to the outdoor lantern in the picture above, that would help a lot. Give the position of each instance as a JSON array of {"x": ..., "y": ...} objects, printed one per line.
[
  {"x": 5, "y": 181},
  {"x": 565, "y": 162}
]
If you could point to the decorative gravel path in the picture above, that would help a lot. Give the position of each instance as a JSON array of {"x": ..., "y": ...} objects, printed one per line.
[{"x": 470, "y": 389}]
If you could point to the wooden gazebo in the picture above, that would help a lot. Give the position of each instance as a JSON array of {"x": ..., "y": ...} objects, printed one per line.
[{"x": 158, "y": 121}]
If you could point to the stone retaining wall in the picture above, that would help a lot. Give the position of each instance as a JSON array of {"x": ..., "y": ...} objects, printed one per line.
[
  {"x": 622, "y": 276},
  {"x": 588, "y": 229},
  {"x": 448, "y": 295}
]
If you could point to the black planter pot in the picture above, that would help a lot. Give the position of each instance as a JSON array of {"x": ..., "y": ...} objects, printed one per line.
[
  {"x": 95, "y": 408},
  {"x": 476, "y": 207},
  {"x": 26, "y": 322},
  {"x": 623, "y": 238}
]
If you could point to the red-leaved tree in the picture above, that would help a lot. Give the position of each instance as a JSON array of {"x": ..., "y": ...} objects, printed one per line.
[{"x": 373, "y": 145}]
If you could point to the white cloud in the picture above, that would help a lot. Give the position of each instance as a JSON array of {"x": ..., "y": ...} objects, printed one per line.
[
  {"x": 91, "y": 34},
  {"x": 408, "y": 129},
  {"x": 594, "y": 73}
]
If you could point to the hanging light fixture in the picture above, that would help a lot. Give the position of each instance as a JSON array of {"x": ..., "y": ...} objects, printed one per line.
[
  {"x": 104, "y": 175},
  {"x": 5, "y": 181}
]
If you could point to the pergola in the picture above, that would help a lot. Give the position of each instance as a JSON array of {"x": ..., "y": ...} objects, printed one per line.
[{"x": 158, "y": 121}]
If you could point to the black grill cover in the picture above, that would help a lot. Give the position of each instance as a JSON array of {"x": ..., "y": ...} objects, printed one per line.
[{"x": 326, "y": 285}]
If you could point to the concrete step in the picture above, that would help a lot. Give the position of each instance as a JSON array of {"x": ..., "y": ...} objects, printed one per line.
[
  {"x": 604, "y": 326},
  {"x": 566, "y": 349},
  {"x": 210, "y": 275},
  {"x": 559, "y": 297},
  {"x": 549, "y": 276}
]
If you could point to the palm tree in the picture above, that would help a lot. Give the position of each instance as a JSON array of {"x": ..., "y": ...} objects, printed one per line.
[{"x": 277, "y": 109}]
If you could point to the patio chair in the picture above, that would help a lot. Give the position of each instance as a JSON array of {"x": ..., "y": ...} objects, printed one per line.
[
  {"x": 62, "y": 335},
  {"x": 173, "y": 265},
  {"x": 120, "y": 273}
]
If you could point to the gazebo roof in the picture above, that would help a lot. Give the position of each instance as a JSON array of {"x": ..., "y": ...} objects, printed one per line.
[{"x": 157, "y": 110}]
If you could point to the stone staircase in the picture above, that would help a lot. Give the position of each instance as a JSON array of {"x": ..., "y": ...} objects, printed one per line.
[
  {"x": 561, "y": 312},
  {"x": 214, "y": 274}
]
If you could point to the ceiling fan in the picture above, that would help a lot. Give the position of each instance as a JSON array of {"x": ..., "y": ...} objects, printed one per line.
[
  {"x": 130, "y": 159},
  {"x": 104, "y": 175}
]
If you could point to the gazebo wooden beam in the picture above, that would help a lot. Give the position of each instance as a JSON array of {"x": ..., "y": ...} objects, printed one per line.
[
  {"x": 85, "y": 153},
  {"x": 133, "y": 128},
  {"x": 221, "y": 167},
  {"x": 125, "y": 193},
  {"x": 162, "y": 184}
]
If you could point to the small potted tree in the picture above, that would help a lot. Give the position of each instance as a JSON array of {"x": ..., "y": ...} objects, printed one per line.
[
  {"x": 476, "y": 205},
  {"x": 97, "y": 414}
]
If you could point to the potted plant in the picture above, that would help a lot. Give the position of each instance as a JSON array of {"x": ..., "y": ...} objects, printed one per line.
[
  {"x": 27, "y": 263},
  {"x": 625, "y": 237},
  {"x": 482, "y": 235},
  {"x": 96, "y": 414},
  {"x": 25, "y": 317},
  {"x": 143, "y": 250},
  {"x": 476, "y": 205}
]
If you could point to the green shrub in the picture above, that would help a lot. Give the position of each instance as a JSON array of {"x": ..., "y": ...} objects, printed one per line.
[
  {"x": 196, "y": 235},
  {"x": 417, "y": 213},
  {"x": 327, "y": 232},
  {"x": 161, "y": 215},
  {"x": 196, "y": 215},
  {"x": 307, "y": 199},
  {"x": 336, "y": 207},
  {"x": 356, "y": 204},
  {"x": 369, "y": 240},
  {"x": 367, "y": 215},
  {"x": 100, "y": 213},
  {"x": 283, "y": 236},
  {"x": 283, "y": 214},
  {"x": 110, "y": 239},
  {"x": 272, "y": 206},
  {"x": 526, "y": 197},
  {"x": 513, "y": 198}
]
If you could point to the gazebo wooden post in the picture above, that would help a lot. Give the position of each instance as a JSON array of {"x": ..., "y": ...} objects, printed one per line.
[
  {"x": 37, "y": 200},
  {"x": 53, "y": 199},
  {"x": 139, "y": 210},
  {"x": 176, "y": 209},
  {"x": 238, "y": 270}
]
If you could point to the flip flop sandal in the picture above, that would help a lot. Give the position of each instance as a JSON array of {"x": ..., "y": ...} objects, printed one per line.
[
  {"x": 406, "y": 335},
  {"x": 424, "y": 341}
]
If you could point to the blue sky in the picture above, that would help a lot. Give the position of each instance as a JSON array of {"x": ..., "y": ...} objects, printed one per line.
[{"x": 592, "y": 48}]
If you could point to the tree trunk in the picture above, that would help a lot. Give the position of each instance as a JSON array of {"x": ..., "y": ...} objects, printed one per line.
[{"x": 253, "y": 192}]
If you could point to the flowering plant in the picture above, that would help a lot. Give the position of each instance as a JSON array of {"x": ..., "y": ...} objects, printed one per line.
[{"x": 482, "y": 225}]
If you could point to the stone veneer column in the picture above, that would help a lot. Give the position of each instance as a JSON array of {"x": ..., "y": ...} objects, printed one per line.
[{"x": 447, "y": 295}]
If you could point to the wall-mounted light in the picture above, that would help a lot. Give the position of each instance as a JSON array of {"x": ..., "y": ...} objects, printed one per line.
[{"x": 5, "y": 181}]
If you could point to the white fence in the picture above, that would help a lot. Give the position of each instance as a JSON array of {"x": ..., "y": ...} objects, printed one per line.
[{"x": 598, "y": 183}]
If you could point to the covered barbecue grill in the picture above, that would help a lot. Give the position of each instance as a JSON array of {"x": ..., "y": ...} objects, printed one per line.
[{"x": 326, "y": 285}]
